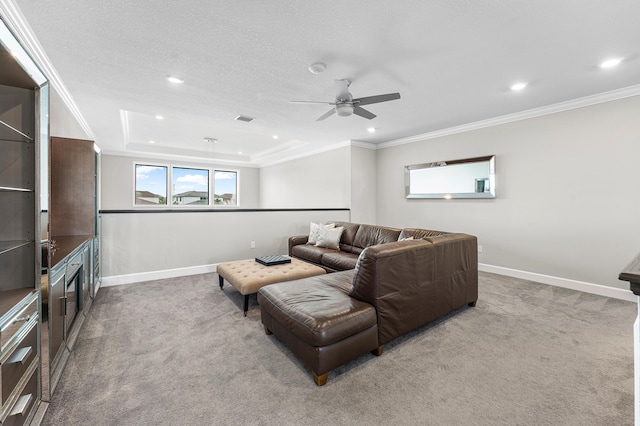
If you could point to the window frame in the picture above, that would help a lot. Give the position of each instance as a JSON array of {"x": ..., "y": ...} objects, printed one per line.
[
  {"x": 135, "y": 181},
  {"x": 169, "y": 186},
  {"x": 209, "y": 186},
  {"x": 213, "y": 182}
]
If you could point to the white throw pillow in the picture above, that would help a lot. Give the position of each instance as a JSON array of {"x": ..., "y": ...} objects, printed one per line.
[
  {"x": 314, "y": 231},
  {"x": 330, "y": 237}
]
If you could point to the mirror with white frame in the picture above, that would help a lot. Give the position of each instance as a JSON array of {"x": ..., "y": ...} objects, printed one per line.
[{"x": 466, "y": 178}]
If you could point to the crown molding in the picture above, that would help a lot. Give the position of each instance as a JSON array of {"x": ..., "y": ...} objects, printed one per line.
[
  {"x": 305, "y": 154},
  {"x": 599, "y": 98},
  {"x": 17, "y": 23},
  {"x": 363, "y": 144}
]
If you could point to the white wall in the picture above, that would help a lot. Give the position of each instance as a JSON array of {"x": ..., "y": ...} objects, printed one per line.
[
  {"x": 62, "y": 122},
  {"x": 136, "y": 245},
  {"x": 567, "y": 196},
  {"x": 319, "y": 181},
  {"x": 140, "y": 246},
  {"x": 363, "y": 185},
  {"x": 118, "y": 181}
]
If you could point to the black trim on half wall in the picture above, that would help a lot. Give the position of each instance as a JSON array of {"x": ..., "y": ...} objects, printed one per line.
[{"x": 218, "y": 210}]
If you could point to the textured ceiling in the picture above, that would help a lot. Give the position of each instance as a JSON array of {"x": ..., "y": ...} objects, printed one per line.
[{"x": 452, "y": 61}]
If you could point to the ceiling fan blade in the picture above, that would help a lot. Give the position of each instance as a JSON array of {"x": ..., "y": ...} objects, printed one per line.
[
  {"x": 376, "y": 99},
  {"x": 327, "y": 114},
  {"x": 363, "y": 112},
  {"x": 312, "y": 102}
]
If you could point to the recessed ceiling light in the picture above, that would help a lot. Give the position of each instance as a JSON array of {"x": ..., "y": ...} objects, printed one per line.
[
  {"x": 176, "y": 80},
  {"x": 610, "y": 63},
  {"x": 519, "y": 86},
  {"x": 152, "y": 142},
  {"x": 275, "y": 136},
  {"x": 239, "y": 152},
  {"x": 159, "y": 117},
  {"x": 371, "y": 129}
]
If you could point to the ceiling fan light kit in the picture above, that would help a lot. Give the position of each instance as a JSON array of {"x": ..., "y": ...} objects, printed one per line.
[
  {"x": 344, "y": 110},
  {"x": 344, "y": 105}
]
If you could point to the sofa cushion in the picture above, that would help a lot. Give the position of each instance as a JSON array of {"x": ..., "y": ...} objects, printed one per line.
[
  {"x": 370, "y": 235},
  {"x": 318, "y": 310},
  {"x": 310, "y": 253},
  {"x": 329, "y": 237},
  {"x": 340, "y": 261}
]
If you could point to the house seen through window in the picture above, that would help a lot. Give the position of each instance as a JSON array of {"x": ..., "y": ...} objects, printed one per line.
[{"x": 189, "y": 186}]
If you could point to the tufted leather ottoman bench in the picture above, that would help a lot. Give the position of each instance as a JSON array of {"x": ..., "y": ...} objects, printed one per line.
[{"x": 249, "y": 276}]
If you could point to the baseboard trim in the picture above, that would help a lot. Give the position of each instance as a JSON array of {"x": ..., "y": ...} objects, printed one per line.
[
  {"x": 157, "y": 275},
  {"x": 600, "y": 290}
]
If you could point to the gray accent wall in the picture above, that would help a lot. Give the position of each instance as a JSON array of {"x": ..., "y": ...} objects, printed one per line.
[
  {"x": 141, "y": 243},
  {"x": 118, "y": 180},
  {"x": 321, "y": 180},
  {"x": 343, "y": 177},
  {"x": 363, "y": 185},
  {"x": 567, "y": 201}
]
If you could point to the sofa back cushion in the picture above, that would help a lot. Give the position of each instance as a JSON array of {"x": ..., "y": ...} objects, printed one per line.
[
  {"x": 371, "y": 235},
  {"x": 417, "y": 233},
  {"x": 348, "y": 234}
]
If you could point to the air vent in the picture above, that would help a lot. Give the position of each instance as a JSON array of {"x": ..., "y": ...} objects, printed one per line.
[{"x": 245, "y": 118}]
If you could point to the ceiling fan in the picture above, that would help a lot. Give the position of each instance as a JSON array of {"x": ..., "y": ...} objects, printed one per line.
[{"x": 345, "y": 105}]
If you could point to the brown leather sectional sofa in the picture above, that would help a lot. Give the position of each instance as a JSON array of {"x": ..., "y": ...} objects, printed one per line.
[{"x": 396, "y": 285}]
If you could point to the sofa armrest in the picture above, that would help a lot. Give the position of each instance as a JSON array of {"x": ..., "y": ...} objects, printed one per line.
[
  {"x": 387, "y": 268},
  {"x": 412, "y": 282},
  {"x": 298, "y": 239}
]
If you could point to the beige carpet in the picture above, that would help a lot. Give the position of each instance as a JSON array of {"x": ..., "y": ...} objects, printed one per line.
[{"x": 179, "y": 352}]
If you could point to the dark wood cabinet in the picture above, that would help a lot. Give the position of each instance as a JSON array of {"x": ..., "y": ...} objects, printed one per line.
[{"x": 72, "y": 182}]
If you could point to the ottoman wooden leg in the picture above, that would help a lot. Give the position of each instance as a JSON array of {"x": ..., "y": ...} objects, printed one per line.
[
  {"x": 221, "y": 280},
  {"x": 246, "y": 304},
  {"x": 266, "y": 330}
]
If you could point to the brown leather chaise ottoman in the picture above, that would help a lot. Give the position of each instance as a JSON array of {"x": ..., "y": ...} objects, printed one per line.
[
  {"x": 318, "y": 318},
  {"x": 248, "y": 276}
]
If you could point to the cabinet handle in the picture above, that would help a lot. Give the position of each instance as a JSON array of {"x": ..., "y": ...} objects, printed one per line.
[
  {"x": 23, "y": 319},
  {"x": 20, "y": 355},
  {"x": 21, "y": 406}
]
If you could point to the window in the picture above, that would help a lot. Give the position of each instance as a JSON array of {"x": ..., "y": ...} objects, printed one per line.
[
  {"x": 225, "y": 184},
  {"x": 184, "y": 186},
  {"x": 151, "y": 185},
  {"x": 189, "y": 186}
]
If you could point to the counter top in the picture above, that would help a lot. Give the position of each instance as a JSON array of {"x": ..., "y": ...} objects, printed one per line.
[
  {"x": 10, "y": 298},
  {"x": 632, "y": 274},
  {"x": 63, "y": 245}
]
